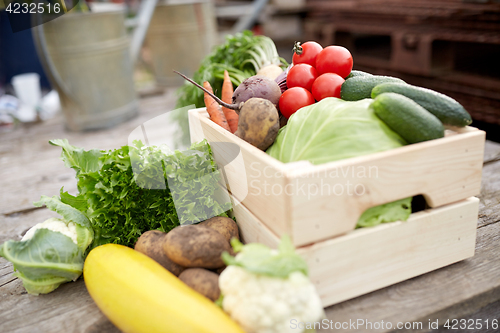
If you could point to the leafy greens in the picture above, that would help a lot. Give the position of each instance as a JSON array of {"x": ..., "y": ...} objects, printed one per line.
[
  {"x": 130, "y": 190},
  {"x": 242, "y": 55},
  {"x": 260, "y": 259},
  {"x": 333, "y": 129}
]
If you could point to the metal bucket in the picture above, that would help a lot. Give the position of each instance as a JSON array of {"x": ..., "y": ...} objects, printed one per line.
[
  {"x": 179, "y": 37},
  {"x": 88, "y": 58}
]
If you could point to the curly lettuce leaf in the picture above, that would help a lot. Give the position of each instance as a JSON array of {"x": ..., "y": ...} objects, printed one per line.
[
  {"x": 132, "y": 189},
  {"x": 260, "y": 259},
  {"x": 45, "y": 261}
]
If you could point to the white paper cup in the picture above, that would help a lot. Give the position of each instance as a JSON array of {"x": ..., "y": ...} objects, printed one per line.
[{"x": 27, "y": 88}]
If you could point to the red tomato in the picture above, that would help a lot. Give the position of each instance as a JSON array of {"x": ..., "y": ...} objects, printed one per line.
[
  {"x": 327, "y": 85},
  {"x": 301, "y": 75},
  {"x": 334, "y": 59},
  {"x": 293, "y": 99},
  {"x": 310, "y": 51}
]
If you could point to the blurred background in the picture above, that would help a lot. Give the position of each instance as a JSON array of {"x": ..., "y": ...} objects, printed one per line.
[{"x": 97, "y": 62}]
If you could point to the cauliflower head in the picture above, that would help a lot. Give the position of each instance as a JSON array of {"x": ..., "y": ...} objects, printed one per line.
[
  {"x": 54, "y": 224},
  {"x": 264, "y": 289},
  {"x": 266, "y": 304}
]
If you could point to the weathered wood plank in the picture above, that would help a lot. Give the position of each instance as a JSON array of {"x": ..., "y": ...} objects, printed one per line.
[
  {"x": 68, "y": 309},
  {"x": 489, "y": 205},
  {"x": 15, "y": 226},
  {"x": 30, "y": 167},
  {"x": 480, "y": 321},
  {"x": 491, "y": 151}
]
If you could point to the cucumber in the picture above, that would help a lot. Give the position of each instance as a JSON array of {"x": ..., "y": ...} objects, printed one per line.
[
  {"x": 405, "y": 117},
  {"x": 355, "y": 73},
  {"x": 360, "y": 87},
  {"x": 448, "y": 110}
]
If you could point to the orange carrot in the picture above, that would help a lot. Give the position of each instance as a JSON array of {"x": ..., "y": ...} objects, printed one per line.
[
  {"x": 214, "y": 109},
  {"x": 227, "y": 96}
]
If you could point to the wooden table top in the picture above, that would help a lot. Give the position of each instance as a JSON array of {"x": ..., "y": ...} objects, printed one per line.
[{"x": 30, "y": 167}]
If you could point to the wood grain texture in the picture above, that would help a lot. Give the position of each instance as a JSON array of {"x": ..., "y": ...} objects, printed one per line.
[
  {"x": 30, "y": 166},
  {"x": 490, "y": 194},
  {"x": 368, "y": 259}
]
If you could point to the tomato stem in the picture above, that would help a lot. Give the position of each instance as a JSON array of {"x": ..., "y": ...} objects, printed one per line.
[{"x": 297, "y": 48}]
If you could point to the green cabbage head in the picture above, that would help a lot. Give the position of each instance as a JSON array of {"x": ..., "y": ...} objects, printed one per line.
[{"x": 334, "y": 129}]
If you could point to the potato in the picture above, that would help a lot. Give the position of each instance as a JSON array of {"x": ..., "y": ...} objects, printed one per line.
[
  {"x": 203, "y": 281},
  {"x": 224, "y": 225},
  {"x": 258, "y": 123},
  {"x": 196, "y": 246},
  {"x": 151, "y": 244}
]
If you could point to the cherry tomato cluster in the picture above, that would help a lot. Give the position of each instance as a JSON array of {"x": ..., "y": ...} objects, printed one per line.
[{"x": 316, "y": 73}]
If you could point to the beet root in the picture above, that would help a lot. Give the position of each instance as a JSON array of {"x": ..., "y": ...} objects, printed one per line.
[{"x": 257, "y": 86}]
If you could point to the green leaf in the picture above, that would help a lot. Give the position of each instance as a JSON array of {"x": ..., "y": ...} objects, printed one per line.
[
  {"x": 84, "y": 237},
  {"x": 68, "y": 212},
  {"x": 331, "y": 130},
  {"x": 77, "y": 202},
  {"x": 44, "y": 261},
  {"x": 394, "y": 211},
  {"x": 77, "y": 158},
  {"x": 260, "y": 259}
]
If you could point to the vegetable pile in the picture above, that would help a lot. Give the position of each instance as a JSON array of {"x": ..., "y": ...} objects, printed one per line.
[
  {"x": 317, "y": 73},
  {"x": 187, "y": 255},
  {"x": 317, "y": 98},
  {"x": 242, "y": 55},
  {"x": 192, "y": 252},
  {"x": 122, "y": 193},
  {"x": 130, "y": 190},
  {"x": 261, "y": 290},
  {"x": 332, "y": 130}
]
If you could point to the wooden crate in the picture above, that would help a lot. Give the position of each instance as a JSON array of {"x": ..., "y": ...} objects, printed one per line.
[
  {"x": 304, "y": 200},
  {"x": 368, "y": 259}
]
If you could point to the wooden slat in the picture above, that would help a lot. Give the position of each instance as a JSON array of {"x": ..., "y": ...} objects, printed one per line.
[{"x": 368, "y": 259}]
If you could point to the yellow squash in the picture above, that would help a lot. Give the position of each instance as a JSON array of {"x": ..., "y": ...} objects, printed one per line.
[{"x": 139, "y": 295}]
